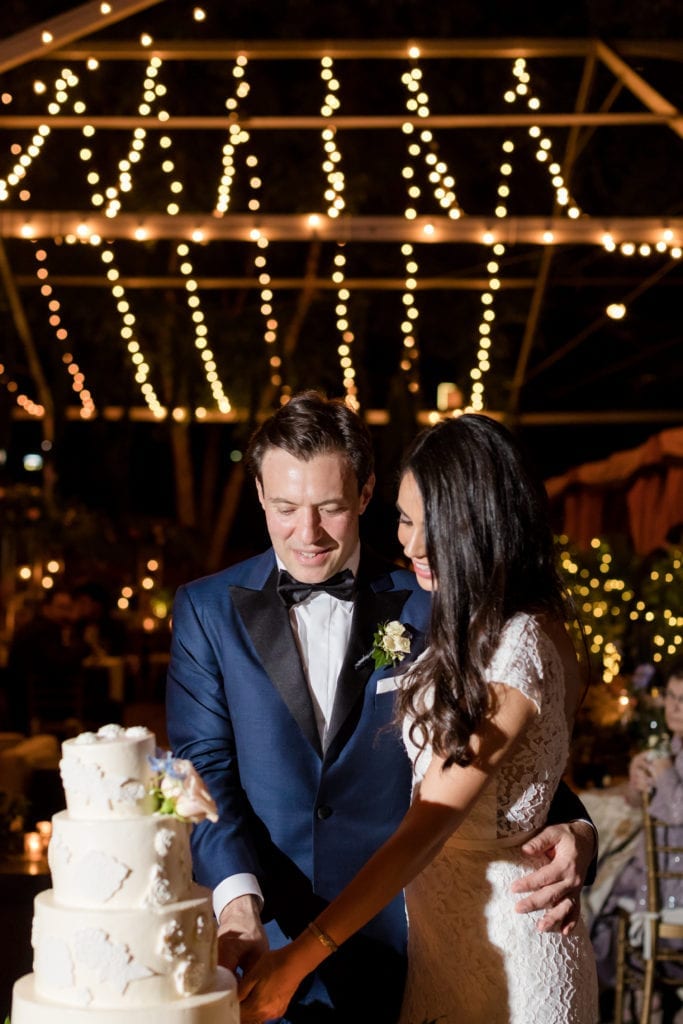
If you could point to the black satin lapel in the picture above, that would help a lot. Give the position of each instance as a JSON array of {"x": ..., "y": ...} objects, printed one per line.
[
  {"x": 371, "y": 609},
  {"x": 267, "y": 621}
]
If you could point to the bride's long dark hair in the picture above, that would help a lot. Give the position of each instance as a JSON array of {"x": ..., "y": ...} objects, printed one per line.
[{"x": 491, "y": 553}]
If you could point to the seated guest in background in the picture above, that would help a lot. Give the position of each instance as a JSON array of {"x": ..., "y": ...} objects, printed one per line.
[
  {"x": 44, "y": 665},
  {"x": 103, "y": 634},
  {"x": 661, "y": 774}
]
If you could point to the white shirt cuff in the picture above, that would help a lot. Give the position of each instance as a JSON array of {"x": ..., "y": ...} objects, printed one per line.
[{"x": 229, "y": 889}]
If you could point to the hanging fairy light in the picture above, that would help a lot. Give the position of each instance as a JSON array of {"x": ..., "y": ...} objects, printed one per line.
[
  {"x": 62, "y": 335},
  {"x": 523, "y": 91},
  {"x": 192, "y": 297},
  {"x": 30, "y": 407},
  {"x": 488, "y": 296},
  {"x": 127, "y": 331},
  {"x": 24, "y": 157},
  {"x": 270, "y": 334},
  {"x": 334, "y": 197},
  {"x": 237, "y": 136}
]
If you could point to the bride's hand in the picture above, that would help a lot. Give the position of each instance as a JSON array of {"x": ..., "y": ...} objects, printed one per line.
[{"x": 266, "y": 989}]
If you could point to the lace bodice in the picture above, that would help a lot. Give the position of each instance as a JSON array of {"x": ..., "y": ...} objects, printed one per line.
[
  {"x": 528, "y": 660},
  {"x": 471, "y": 957}
]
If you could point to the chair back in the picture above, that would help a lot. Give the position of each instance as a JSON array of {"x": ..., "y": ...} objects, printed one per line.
[{"x": 663, "y": 860}]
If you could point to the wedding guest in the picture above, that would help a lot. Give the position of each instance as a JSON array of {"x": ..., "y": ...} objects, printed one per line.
[
  {"x": 95, "y": 624},
  {"x": 274, "y": 695},
  {"x": 661, "y": 774},
  {"x": 44, "y": 668},
  {"x": 487, "y": 712}
]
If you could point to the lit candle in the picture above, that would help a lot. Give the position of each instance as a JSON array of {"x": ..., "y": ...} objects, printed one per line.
[
  {"x": 33, "y": 845},
  {"x": 45, "y": 832}
]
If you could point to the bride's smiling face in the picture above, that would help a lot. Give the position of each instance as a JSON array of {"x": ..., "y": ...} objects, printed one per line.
[{"x": 411, "y": 532}]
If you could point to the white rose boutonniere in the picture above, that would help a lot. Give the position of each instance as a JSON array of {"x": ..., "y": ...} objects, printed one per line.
[{"x": 391, "y": 643}]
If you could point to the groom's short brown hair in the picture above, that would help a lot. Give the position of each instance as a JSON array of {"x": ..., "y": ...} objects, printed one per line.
[{"x": 311, "y": 424}]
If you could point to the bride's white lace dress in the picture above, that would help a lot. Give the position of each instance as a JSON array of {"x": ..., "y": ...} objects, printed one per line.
[{"x": 472, "y": 959}]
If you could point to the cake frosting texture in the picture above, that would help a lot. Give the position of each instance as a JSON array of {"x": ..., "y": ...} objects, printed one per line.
[{"x": 123, "y": 931}]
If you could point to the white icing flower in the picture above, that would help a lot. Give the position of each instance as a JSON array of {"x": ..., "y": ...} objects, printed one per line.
[
  {"x": 163, "y": 841},
  {"x": 112, "y": 961},
  {"x": 100, "y": 876},
  {"x": 172, "y": 944},
  {"x": 130, "y": 791},
  {"x": 189, "y": 977},
  {"x": 86, "y": 737},
  {"x": 88, "y": 779},
  {"x": 159, "y": 891},
  {"x": 111, "y": 731},
  {"x": 138, "y": 732}
]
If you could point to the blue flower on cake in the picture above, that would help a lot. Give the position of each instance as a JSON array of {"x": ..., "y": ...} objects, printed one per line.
[{"x": 179, "y": 791}]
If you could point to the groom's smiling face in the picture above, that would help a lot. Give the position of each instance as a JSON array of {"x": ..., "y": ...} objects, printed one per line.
[{"x": 312, "y": 511}]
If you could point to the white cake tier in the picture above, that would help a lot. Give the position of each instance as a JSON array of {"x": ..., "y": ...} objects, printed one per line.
[
  {"x": 113, "y": 864},
  {"x": 123, "y": 958},
  {"x": 107, "y": 774},
  {"x": 217, "y": 1006}
]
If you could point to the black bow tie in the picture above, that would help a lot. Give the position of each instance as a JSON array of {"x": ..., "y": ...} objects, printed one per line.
[{"x": 291, "y": 591}]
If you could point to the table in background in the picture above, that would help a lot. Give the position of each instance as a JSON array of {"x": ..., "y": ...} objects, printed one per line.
[
  {"x": 619, "y": 826},
  {"x": 20, "y": 882}
]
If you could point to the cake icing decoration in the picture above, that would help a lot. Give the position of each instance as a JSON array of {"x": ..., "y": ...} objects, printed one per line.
[{"x": 112, "y": 961}]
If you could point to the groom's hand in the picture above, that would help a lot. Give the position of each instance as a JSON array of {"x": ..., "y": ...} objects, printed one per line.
[
  {"x": 241, "y": 936},
  {"x": 556, "y": 886}
]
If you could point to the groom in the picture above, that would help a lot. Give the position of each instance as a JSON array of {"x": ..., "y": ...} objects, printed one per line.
[{"x": 273, "y": 694}]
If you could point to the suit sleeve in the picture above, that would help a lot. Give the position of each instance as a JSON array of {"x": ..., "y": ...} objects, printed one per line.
[
  {"x": 567, "y": 806},
  {"x": 200, "y": 729}
]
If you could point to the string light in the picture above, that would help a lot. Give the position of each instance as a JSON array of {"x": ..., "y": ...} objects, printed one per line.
[
  {"x": 62, "y": 335},
  {"x": 30, "y": 407},
  {"x": 334, "y": 197},
  {"x": 610, "y": 605},
  {"x": 128, "y": 319},
  {"x": 523, "y": 90},
  {"x": 487, "y": 298},
  {"x": 192, "y": 297},
  {"x": 25, "y": 157},
  {"x": 237, "y": 136}
]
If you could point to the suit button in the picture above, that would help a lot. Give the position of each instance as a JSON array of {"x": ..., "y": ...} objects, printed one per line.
[{"x": 323, "y": 812}]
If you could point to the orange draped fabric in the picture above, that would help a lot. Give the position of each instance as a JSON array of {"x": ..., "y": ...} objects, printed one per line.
[{"x": 650, "y": 476}]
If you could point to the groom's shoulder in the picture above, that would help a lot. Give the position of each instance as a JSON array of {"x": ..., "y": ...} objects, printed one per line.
[
  {"x": 378, "y": 568},
  {"x": 248, "y": 572}
]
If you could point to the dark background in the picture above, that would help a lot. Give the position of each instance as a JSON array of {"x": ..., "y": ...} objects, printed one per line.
[{"x": 122, "y": 476}]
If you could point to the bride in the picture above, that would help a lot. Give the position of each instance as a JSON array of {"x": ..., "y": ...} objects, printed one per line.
[{"x": 487, "y": 713}]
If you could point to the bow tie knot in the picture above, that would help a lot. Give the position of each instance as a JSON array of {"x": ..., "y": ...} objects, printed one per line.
[{"x": 292, "y": 591}]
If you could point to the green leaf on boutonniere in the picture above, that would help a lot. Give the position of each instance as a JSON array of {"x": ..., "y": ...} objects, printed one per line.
[{"x": 391, "y": 643}]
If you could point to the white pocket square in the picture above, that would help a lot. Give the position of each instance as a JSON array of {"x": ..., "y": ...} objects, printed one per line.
[{"x": 387, "y": 684}]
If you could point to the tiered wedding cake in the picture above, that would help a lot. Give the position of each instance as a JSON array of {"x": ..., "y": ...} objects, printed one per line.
[{"x": 124, "y": 936}]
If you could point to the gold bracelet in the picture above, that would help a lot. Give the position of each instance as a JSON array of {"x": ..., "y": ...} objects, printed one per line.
[{"x": 323, "y": 937}]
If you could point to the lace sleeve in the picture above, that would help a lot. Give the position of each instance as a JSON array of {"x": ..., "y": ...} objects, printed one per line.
[{"x": 517, "y": 661}]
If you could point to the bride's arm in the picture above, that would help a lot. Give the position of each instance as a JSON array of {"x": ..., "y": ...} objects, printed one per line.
[{"x": 445, "y": 797}]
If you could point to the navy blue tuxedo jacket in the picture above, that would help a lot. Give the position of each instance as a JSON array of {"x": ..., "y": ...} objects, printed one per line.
[{"x": 302, "y": 821}]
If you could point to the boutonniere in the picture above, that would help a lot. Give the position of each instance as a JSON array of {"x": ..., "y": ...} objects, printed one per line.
[{"x": 390, "y": 644}]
